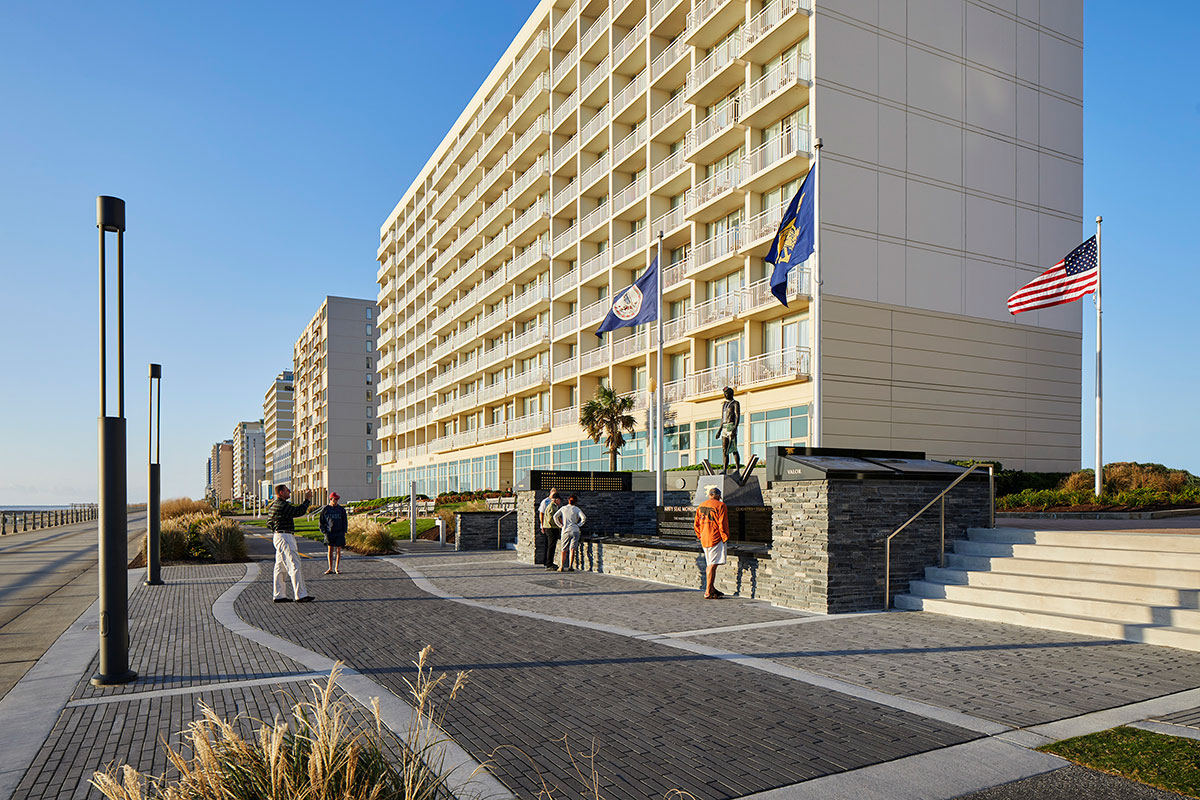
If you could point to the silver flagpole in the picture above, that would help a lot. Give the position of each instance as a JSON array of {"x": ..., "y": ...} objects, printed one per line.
[
  {"x": 659, "y": 392},
  {"x": 817, "y": 427},
  {"x": 1099, "y": 372}
]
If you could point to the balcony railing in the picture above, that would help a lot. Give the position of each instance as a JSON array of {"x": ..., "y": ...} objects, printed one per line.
[
  {"x": 593, "y": 32},
  {"x": 716, "y": 122},
  {"x": 539, "y": 126},
  {"x": 562, "y": 112},
  {"x": 594, "y": 77},
  {"x": 774, "y": 150},
  {"x": 595, "y": 124},
  {"x": 493, "y": 391},
  {"x": 630, "y": 345},
  {"x": 792, "y": 362},
  {"x": 566, "y": 369},
  {"x": 629, "y": 41},
  {"x": 530, "y": 377},
  {"x": 540, "y": 84},
  {"x": 594, "y": 358},
  {"x": 594, "y": 217},
  {"x": 783, "y": 75},
  {"x": 565, "y": 239},
  {"x": 667, "y": 58},
  {"x": 630, "y": 193},
  {"x": 720, "y": 57},
  {"x": 563, "y": 67},
  {"x": 596, "y": 171},
  {"x": 541, "y": 42},
  {"x": 497, "y": 430},
  {"x": 527, "y": 424},
  {"x": 765, "y": 223},
  {"x": 494, "y": 353},
  {"x": 716, "y": 247},
  {"x": 565, "y": 195},
  {"x": 667, "y": 112},
  {"x": 660, "y": 10},
  {"x": 539, "y": 209},
  {"x": 594, "y": 312},
  {"x": 670, "y": 220},
  {"x": 668, "y": 167},
  {"x": 763, "y": 22},
  {"x": 674, "y": 273},
  {"x": 721, "y": 307},
  {"x": 565, "y": 325},
  {"x": 702, "y": 11},
  {"x": 538, "y": 333},
  {"x": 629, "y": 245},
  {"x": 496, "y": 315},
  {"x": 714, "y": 185},
  {"x": 629, "y": 144},
  {"x": 566, "y": 21},
  {"x": 631, "y": 91},
  {"x": 565, "y": 417},
  {"x": 595, "y": 265},
  {"x": 759, "y": 293},
  {"x": 534, "y": 253},
  {"x": 565, "y": 153},
  {"x": 531, "y": 297},
  {"x": 566, "y": 282}
]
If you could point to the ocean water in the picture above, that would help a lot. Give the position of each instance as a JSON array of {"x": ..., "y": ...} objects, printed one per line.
[{"x": 32, "y": 508}]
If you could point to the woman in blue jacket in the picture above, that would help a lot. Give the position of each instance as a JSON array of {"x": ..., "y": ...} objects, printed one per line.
[{"x": 333, "y": 525}]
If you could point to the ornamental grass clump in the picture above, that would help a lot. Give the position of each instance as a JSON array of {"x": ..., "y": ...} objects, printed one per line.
[
  {"x": 320, "y": 752},
  {"x": 368, "y": 537},
  {"x": 179, "y": 506},
  {"x": 200, "y": 537}
]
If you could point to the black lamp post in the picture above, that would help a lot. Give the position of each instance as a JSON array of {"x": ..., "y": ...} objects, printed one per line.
[
  {"x": 154, "y": 481},
  {"x": 114, "y": 517}
]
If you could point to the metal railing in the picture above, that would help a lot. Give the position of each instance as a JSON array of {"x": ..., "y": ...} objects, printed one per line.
[
  {"x": 887, "y": 543},
  {"x": 33, "y": 520}
]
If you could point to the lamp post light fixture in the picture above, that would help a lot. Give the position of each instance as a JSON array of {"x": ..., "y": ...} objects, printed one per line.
[
  {"x": 154, "y": 482},
  {"x": 113, "y": 512}
]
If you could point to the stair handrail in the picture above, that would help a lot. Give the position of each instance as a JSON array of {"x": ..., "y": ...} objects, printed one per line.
[{"x": 887, "y": 543}]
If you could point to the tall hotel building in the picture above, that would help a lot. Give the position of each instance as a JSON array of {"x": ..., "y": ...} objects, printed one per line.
[
  {"x": 951, "y": 174},
  {"x": 334, "y": 360},
  {"x": 279, "y": 427}
]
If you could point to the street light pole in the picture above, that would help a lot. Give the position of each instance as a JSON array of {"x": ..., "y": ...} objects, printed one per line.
[
  {"x": 113, "y": 512},
  {"x": 154, "y": 483}
]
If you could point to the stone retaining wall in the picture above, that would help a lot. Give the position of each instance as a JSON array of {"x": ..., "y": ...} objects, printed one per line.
[
  {"x": 827, "y": 550},
  {"x": 476, "y": 530}
]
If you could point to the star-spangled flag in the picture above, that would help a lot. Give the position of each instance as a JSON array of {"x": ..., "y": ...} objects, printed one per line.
[
  {"x": 1067, "y": 281},
  {"x": 634, "y": 304}
]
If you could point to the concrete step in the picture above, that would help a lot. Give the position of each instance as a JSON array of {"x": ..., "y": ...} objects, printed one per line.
[
  {"x": 1102, "y": 609},
  {"x": 1111, "y": 573},
  {"x": 1081, "y": 555},
  {"x": 1165, "y": 635},
  {"x": 1073, "y": 586},
  {"x": 1107, "y": 540}
]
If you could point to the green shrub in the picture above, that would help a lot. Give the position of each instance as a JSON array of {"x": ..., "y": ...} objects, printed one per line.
[
  {"x": 201, "y": 537},
  {"x": 223, "y": 540}
]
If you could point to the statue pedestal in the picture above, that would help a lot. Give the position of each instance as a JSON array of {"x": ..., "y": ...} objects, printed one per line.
[{"x": 732, "y": 492}]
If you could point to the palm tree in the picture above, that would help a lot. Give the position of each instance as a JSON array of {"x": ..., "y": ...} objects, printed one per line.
[{"x": 607, "y": 414}]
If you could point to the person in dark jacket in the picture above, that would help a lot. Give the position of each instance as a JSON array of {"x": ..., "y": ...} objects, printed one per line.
[
  {"x": 333, "y": 525},
  {"x": 287, "y": 559}
]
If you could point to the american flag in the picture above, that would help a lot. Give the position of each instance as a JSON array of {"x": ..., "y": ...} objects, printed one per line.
[{"x": 1068, "y": 280}]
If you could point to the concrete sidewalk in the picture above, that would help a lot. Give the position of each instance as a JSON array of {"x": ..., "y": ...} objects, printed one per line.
[{"x": 721, "y": 699}]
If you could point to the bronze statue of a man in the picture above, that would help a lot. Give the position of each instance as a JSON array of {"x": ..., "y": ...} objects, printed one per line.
[{"x": 731, "y": 418}]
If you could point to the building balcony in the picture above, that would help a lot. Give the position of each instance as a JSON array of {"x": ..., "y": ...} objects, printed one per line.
[
  {"x": 493, "y": 392},
  {"x": 594, "y": 32},
  {"x": 565, "y": 23},
  {"x": 526, "y": 227},
  {"x": 720, "y": 73},
  {"x": 565, "y": 417},
  {"x": 774, "y": 28},
  {"x": 565, "y": 283},
  {"x": 528, "y": 379},
  {"x": 594, "y": 266},
  {"x": 563, "y": 72},
  {"x": 715, "y": 196},
  {"x": 387, "y": 457},
  {"x": 594, "y": 312},
  {"x": 668, "y": 11},
  {"x": 497, "y": 430},
  {"x": 564, "y": 370},
  {"x": 758, "y": 294},
  {"x": 565, "y": 197},
  {"x": 597, "y": 359},
  {"x": 533, "y": 423},
  {"x": 596, "y": 172},
  {"x": 757, "y": 233},
  {"x": 668, "y": 120},
  {"x": 564, "y": 240},
  {"x": 709, "y": 20},
  {"x": 593, "y": 220},
  {"x": 493, "y": 354},
  {"x": 565, "y": 153},
  {"x": 776, "y": 161},
  {"x": 674, "y": 275},
  {"x": 670, "y": 175},
  {"x": 534, "y": 337},
  {"x": 630, "y": 194},
  {"x": 632, "y": 145},
  {"x": 717, "y": 313},
  {"x": 630, "y": 247},
  {"x": 717, "y": 133},
  {"x": 631, "y": 346},
  {"x": 594, "y": 127},
  {"x": 595, "y": 85},
  {"x": 779, "y": 367},
  {"x": 624, "y": 99},
  {"x": 673, "y": 330},
  {"x": 669, "y": 66},
  {"x": 715, "y": 255},
  {"x": 629, "y": 46},
  {"x": 531, "y": 145},
  {"x": 531, "y": 298},
  {"x": 783, "y": 89},
  {"x": 534, "y": 55},
  {"x": 534, "y": 102},
  {"x": 564, "y": 111},
  {"x": 566, "y": 326}
]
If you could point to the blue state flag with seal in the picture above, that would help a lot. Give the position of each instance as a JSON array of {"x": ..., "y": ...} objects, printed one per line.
[
  {"x": 634, "y": 304},
  {"x": 794, "y": 242}
]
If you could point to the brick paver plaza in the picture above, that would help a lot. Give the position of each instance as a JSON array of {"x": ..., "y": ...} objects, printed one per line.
[{"x": 667, "y": 691}]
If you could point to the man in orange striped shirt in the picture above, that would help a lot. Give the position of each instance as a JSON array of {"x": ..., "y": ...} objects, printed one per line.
[{"x": 712, "y": 529}]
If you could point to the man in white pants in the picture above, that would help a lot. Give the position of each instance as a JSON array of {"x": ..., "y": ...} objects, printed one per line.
[{"x": 287, "y": 559}]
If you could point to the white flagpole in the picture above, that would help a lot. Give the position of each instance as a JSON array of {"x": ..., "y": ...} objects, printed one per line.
[
  {"x": 659, "y": 478},
  {"x": 1099, "y": 372},
  {"x": 816, "y": 429}
]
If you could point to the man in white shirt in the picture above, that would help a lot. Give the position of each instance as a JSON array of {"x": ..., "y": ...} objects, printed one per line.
[{"x": 571, "y": 518}]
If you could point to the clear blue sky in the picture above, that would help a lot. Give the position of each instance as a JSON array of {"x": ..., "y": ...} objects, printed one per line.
[{"x": 260, "y": 146}]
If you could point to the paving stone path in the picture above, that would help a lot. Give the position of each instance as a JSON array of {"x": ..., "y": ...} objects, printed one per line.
[{"x": 660, "y": 719}]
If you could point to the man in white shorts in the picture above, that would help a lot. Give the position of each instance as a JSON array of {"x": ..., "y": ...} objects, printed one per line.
[{"x": 712, "y": 529}]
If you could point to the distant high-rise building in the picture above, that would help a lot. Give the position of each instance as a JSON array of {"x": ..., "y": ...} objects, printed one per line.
[
  {"x": 279, "y": 426},
  {"x": 334, "y": 402},
  {"x": 208, "y": 483},
  {"x": 221, "y": 471},
  {"x": 249, "y": 458}
]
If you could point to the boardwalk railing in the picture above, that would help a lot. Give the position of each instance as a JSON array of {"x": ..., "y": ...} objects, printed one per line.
[{"x": 17, "y": 520}]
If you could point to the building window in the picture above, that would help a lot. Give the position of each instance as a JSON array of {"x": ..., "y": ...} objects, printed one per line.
[
  {"x": 370, "y": 477},
  {"x": 368, "y": 312},
  {"x": 781, "y": 427},
  {"x": 368, "y": 429},
  {"x": 368, "y": 329},
  {"x": 368, "y": 363},
  {"x": 369, "y": 379},
  {"x": 369, "y": 446},
  {"x": 370, "y": 461}
]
